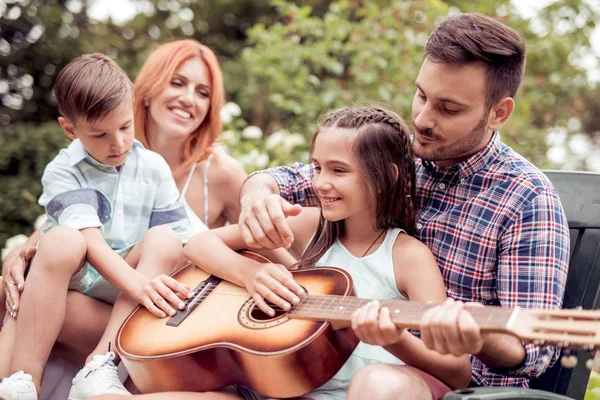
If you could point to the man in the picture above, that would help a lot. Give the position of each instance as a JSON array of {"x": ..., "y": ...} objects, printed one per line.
[{"x": 493, "y": 221}]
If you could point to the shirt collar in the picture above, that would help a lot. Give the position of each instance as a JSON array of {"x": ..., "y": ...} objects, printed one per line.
[
  {"x": 78, "y": 153},
  {"x": 489, "y": 153}
]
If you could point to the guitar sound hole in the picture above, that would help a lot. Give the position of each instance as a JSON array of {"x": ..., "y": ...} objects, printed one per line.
[{"x": 258, "y": 315}]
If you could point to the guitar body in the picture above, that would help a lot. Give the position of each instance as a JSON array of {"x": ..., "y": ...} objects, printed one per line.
[{"x": 227, "y": 340}]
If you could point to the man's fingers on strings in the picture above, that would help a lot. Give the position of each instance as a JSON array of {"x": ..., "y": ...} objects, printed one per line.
[
  {"x": 387, "y": 327},
  {"x": 470, "y": 332},
  {"x": 451, "y": 332}
]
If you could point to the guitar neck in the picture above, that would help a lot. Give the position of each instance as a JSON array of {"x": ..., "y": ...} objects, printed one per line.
[{"x": 405, "y": 314}]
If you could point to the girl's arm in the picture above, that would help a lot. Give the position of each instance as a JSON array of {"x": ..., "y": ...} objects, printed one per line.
[
  {"x": 418, "y": 276},
  {"x": 214, "y": 252},
  {"x": 229, "y": 176}
]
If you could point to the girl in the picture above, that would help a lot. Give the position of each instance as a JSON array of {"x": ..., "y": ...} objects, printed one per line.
[{"x": 364, "y": 179}]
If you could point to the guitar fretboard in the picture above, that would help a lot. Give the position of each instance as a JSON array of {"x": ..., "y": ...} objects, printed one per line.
[{"x": 405, "y": 314}]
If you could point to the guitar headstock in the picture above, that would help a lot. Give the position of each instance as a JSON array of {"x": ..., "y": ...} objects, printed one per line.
[{"x": 575, "y": 329}]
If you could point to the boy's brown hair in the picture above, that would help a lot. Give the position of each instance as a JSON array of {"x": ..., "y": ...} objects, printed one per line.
[
  {"x": 91, "y": 86},
  {"x": 468, "y": 38}
]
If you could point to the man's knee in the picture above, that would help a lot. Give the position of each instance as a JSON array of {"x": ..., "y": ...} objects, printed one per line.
[
  {"x": 383, "y": 381},
  {"x": 62, "y": 247}
]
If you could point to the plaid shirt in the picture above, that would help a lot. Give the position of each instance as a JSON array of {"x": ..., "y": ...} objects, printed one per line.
[
  {"x": 79, "y": 192},
  {"x": 499, "y": 234}
]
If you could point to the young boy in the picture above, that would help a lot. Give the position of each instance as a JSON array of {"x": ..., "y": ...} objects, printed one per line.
[{"x": 113, "y": 215}]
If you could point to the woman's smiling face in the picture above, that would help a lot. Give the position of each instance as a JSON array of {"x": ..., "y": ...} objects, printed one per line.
[{"x": 182, "y": 106}]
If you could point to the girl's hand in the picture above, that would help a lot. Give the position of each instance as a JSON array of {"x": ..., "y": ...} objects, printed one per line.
[
  {"x": 159, "y": 295},
  {"x": 373, "y": 325},
  {"x": 273, "y": 283}
]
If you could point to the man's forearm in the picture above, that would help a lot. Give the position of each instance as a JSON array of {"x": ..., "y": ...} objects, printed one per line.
[
  {"x": 502, "y": 351},
  {"x": 261, "y": 183}
]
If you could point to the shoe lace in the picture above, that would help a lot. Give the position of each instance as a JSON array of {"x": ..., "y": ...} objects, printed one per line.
[{"x": 104, "y": 368}]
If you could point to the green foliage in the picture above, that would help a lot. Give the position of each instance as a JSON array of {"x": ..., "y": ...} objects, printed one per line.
[{"x": 25, "y": 149}]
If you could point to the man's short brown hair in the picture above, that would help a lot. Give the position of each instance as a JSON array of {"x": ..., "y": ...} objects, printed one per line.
[
  {"x": 468, "y": 38},
  {"x": 91, "y": 86}
]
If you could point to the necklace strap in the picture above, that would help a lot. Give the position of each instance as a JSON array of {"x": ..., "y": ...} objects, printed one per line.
[{"x": 373, "y": 244}]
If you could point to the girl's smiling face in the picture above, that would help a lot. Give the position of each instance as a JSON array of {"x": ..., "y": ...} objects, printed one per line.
[{"x": 339, "y": 181}]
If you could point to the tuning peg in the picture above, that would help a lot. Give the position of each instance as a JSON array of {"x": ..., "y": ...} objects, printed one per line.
[
  {"x": 593, "y": 363},
  {"x": 569, "y": 361}
]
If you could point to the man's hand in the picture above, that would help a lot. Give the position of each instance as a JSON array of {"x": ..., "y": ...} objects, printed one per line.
[
  {"x": 13, "y": 277},
  {"x": 262, "y": 220},
  {"x": 450, "y": 329}
]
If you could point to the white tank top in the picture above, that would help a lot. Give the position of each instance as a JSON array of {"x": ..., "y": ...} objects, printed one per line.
[
  {"x": 374, "y": 278},
  {"x": 197, "y": 224}
]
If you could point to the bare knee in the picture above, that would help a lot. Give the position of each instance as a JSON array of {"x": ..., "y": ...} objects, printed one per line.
[
  {"x": 383, "y": 381},
  {"x": 162, "y": 234},
  {"x": 62, "y": 248}
]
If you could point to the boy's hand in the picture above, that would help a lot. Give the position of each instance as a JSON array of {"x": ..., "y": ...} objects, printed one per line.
[
  {"x": 273, "y": 283},
  {"x": 13, "y": 277},
  {"x": 159, "y": 295}
]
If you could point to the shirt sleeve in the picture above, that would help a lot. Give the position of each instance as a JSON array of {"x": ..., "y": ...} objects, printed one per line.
[
  {"x": 169, "y": 208},
  {"x": 68, "y": 204},
  {"x": 295, "y": 183},
  {"x": 533, "y": 267}
]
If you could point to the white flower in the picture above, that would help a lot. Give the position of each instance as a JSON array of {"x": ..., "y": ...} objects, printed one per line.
[
  {"x": 13, "y": 243},
  {"x": 40, "y": 221},
  {"x": 294, "y": 140},
  {"x": 229, "y": 111},
  {"x": 252, "y": 132},
  {"x": 275, "y": 139},
  {"x": 254, "y": 159},
  {"x": 229, "y": 137}
]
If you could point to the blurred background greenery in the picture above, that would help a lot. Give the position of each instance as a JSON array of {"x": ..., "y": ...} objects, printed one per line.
[{"x": 284, "y": 63}]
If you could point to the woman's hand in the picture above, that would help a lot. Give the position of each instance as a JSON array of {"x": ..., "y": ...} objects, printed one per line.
[
  {"x": 159, "y": 295},
  {"x": 373, "y": 325},
  {"x": 273, "y": 283},
  {"x": 13, "y": 277}
]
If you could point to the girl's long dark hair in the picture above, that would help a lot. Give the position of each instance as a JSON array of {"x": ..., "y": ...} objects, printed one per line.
[{"x": 382, "y": 146}]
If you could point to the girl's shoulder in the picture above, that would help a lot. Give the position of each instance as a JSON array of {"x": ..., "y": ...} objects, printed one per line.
[{"x": 408, "y": 251}]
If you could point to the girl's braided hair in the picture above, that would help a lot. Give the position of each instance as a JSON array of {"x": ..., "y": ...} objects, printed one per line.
[{"x": 382, "y": 146}]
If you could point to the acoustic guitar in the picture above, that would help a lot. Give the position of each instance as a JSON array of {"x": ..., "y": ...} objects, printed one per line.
[{"x": 222, "y": 338}]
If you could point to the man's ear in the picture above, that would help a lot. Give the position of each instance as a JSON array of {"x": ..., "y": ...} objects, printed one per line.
[
  {"x": 68, "y": 127},
  {"x": 501, "y": 112}
]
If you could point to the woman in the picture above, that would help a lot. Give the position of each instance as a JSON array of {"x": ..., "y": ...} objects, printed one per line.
[
  {"x": 178, "y": 97},
  {"x": 179, "y": 94}
]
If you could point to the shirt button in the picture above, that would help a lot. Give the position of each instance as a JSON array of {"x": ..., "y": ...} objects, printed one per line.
[
  {"x": 419, "y": 225},
  {"x": 442, "y": 186},
  {"x": 463, "y": 180}
]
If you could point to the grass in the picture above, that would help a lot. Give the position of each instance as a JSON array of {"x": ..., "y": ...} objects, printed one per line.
[{"x": 593, "y": 390}]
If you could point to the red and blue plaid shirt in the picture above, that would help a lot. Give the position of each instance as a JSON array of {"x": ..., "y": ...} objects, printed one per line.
[{"x": 497, "y": 230}]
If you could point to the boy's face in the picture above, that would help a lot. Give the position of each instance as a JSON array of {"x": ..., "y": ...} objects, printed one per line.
[{"x": 107, "y": 140}]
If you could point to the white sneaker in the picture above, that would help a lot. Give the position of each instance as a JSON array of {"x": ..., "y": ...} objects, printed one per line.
[
  {"x": 18, "y": 386},
  {"x": 99, "y": 376}
]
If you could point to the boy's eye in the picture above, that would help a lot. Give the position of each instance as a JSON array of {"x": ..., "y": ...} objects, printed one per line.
[{"x": 100, "y": 136}]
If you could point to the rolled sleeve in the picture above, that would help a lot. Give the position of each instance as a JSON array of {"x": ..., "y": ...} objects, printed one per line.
[
  {"x": 68, "y": 204},
  {"x": 533, "y": 267},
  {"x": 295, "y": 183}
]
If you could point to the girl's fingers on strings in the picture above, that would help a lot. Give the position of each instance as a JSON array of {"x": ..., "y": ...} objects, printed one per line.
[
  {"x": 275, "y": 292},
  {"x": 260, "y": 303},
  {"x": 177, "y": 287}
]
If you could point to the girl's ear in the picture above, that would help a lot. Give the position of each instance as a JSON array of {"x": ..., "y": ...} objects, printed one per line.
[{"x": 395, "y": 172}]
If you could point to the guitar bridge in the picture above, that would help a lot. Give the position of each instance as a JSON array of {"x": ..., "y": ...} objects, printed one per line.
[{"x": 201, "y": 291}]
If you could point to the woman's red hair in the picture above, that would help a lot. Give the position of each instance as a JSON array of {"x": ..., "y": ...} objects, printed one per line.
[{"x": 155, "y": 76}]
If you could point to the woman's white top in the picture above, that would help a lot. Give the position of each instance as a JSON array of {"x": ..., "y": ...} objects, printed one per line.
[{"x": 197, "y": 224}]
